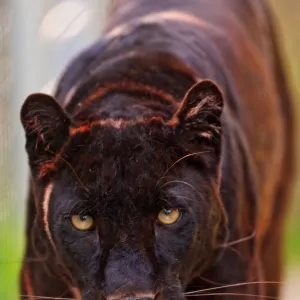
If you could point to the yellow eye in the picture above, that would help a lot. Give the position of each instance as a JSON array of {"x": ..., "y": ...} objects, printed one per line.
[
  {"x": 168, "y": 216},
  {"x": 83, "y": 222}
]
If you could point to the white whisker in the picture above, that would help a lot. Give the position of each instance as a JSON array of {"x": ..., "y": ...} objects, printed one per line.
[
  {"x": 233, "y": 285},
  {"x": 177, "y": 161},
  {"x": 244, "y": 239},
  {"x": 183, "y": 182},
  {"x": 44, "y": 297},
  {"x": 234, "y": 294}
]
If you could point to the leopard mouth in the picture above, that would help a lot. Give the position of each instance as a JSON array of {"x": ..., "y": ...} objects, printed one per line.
[{"x": 136, "y": 296}]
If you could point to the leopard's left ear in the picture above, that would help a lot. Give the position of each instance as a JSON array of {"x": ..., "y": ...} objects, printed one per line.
[
  {"x": 46, "y": 127},
  {"x": 201, "y": 110}
]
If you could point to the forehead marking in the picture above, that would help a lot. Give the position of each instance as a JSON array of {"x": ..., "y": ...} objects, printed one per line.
[
  {"x": 160, "y": 17},
  {"x": 51, "y": 165},
  {"x": 46, "y": 202},
  {"x": 130, "y": 86},
  {"x": 166, "y": 61},
  {"x": 115, "y": 123}
]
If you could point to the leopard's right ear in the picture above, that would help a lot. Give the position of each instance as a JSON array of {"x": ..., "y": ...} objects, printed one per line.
[
  {"x": 200, "y": 112},
  {"x": 46, "y": 127}
]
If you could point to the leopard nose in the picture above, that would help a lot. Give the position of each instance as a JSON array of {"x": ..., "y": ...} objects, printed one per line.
[
  {"x": 148, "y": 296},
  {"x": 138, "y": 298}
]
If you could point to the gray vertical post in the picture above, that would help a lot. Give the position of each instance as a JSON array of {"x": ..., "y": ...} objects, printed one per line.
[{"x": 37, "y": 60}]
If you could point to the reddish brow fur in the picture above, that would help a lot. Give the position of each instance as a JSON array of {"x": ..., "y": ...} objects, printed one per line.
[
  {"x": 116, "y": 123},
  {"x": 130, "y": 86},
  {"x": 51, "y": 165},
  {"x": 47, "y": 167}
]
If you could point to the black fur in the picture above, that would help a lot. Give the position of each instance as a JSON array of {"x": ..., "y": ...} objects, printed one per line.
[{"x": 142, "y": 132}]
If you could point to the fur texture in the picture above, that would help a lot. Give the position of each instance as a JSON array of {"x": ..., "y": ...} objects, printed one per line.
[{"x": 181, "y": 105}]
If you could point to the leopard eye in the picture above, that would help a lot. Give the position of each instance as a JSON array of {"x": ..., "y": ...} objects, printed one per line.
[
  {"x": 168, "y": 216},
  {"x": 83, "y": 222}
]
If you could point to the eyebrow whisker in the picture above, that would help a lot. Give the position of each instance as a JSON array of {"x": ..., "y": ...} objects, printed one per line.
[
  {"x": 183, "y": 182},
  {"x": 177, "y": 161}
]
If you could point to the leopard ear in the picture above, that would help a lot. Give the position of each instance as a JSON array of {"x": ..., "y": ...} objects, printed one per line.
[
  {"x": 46, "y": 127},
  {"x": 201, "y": 110}
]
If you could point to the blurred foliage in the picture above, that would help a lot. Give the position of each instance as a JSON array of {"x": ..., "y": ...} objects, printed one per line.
[
  {"x": 287, "y": 13},
  {"x": 11, "y": 242}
]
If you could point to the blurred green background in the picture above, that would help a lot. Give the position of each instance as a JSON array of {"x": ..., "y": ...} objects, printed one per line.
[
  {"x": 17, "y": 80},
  {"x": 288, "y": 16}
]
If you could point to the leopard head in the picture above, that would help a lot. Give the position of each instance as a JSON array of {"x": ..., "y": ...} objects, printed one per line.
[{"x": 131, "y": 207}]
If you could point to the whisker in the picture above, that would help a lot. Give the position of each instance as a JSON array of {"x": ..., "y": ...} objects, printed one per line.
[
  {"x": 72, "y": 169},
  {"x": 87, "y": 210},
  {"x": 177, "y": 161},
  {"x": 44, "y": 297},
  {"x": 237, "y": 252},
  {"x": 77, "y": 202},
  {"x": 183, "y": 182},
  {"x": 183, "y": 197},
  {"x": 244, "y": 239},
  {"x": 233, "y": 285},
  {"x": 210, "y": 281},
  {"x": 234, "y": 294},
  {"x": 229, "y": 245}
]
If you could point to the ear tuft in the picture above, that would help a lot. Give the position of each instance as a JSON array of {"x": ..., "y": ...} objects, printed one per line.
[
  {"x": 201, "y": 109},
  {"x": 46, "y": 126}
]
